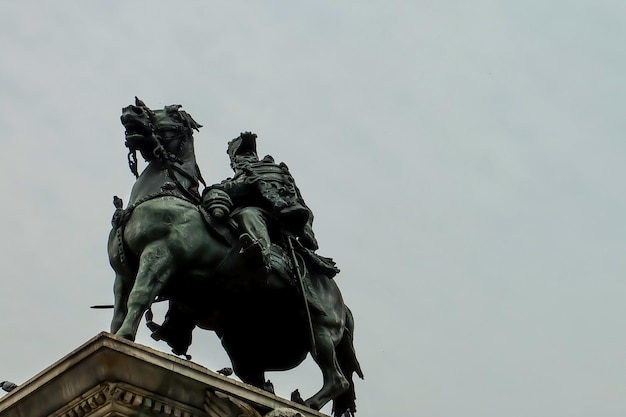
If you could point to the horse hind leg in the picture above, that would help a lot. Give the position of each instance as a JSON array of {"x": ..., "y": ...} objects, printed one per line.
[
  {"x": 345, "y": 403},
  {"x": 155, "y": 268},
  {"x": 335, "y": 383},
  {"x": 251, "y": 374}
]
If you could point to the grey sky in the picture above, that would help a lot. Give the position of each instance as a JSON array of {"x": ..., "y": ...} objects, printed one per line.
[{"x": 464, "y": 161}]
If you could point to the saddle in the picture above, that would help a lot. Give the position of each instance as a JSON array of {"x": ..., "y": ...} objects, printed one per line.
[{"x": 281, "y": 260}]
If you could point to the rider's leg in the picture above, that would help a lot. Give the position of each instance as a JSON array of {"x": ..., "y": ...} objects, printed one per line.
[
  {"x": 251, "y": 220},
  {"x": 254, "y": 238}
]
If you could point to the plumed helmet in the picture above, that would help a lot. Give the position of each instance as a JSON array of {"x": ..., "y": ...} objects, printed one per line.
[{"x": 244, "y": 143}]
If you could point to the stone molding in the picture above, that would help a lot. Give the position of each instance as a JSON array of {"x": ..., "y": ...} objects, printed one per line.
[
  {"x": 124, "y": 400},
  {"x": 112, "y": 377}
]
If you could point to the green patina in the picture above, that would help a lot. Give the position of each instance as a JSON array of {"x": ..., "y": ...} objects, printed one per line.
[{"x": 238, "y": 259}]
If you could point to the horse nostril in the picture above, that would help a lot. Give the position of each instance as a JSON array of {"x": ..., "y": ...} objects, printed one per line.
[{"x": 136, "y": 110}]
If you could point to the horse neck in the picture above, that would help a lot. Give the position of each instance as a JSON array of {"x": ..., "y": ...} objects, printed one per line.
[
  {"x": 189, "y": 165},
  {"x": 161, "y": 177}
]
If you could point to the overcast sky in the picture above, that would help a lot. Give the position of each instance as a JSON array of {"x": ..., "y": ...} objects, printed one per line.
[{"x": 464, "y": 161}]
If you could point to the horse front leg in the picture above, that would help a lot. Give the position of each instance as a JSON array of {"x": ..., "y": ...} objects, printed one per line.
[
  {"x": 155, "y": 268},
  {"x": 121, "y": 288}
]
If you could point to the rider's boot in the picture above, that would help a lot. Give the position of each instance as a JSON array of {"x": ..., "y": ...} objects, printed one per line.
[{"x": 255, "y": 251}]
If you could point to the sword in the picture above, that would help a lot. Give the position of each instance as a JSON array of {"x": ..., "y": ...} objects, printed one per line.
[
  {"x": 306, "y": 302},
  {"x": 109, "y": 306}
]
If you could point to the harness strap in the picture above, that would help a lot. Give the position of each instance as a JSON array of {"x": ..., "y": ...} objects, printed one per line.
[
  {"x": 121, "y": 216},
  {"x": 170, "y": 170}
]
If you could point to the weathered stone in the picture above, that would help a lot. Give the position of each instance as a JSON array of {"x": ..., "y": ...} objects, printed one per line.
[
  {"x": 110, "y": 376},
  {"x": 284, "y": 412}
]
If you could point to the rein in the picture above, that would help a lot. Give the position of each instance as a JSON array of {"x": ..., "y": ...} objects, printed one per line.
[
  {"x": 170, "y": 171},
  {"x": 159, "y": 150},
  {"x": 161, "y": 154}
]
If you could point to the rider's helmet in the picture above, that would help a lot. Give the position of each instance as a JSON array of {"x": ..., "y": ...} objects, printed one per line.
[{"x": 243, "y": 145}]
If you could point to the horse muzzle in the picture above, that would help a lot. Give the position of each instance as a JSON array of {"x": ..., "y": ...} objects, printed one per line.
[{"x": 137, "y": 123}]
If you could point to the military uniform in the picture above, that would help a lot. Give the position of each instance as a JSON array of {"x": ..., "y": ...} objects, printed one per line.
[
  {"x": 271, "y": 187},
  {"x": 264, "y": 197}
]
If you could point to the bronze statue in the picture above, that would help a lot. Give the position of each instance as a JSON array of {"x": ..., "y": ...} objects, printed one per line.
[
  {"x": 240, "y": 260},
  {"x": 265, "y": 197},
  {"x": 268, "y": 207}
]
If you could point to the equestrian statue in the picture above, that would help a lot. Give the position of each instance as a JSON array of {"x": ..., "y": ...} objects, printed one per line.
[{"x": 238, "y": 258}]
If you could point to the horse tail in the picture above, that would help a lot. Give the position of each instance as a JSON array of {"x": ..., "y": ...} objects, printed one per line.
[{"x": 349, "y": 364}]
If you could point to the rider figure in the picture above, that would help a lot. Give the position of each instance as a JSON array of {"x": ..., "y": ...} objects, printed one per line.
[
  {"x": 265, "y": 199},
  {"x": 264, "y": 202}
]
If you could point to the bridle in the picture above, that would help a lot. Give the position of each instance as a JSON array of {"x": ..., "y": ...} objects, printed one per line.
[
  {"x": 183, "y": 131},
  {"x": 159, "y": 151}
]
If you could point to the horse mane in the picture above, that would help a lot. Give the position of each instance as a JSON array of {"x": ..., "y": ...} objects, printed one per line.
[{"x": 189, "y": 121}]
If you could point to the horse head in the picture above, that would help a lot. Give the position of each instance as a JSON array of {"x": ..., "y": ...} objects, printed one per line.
[{"x": 157, "y": 134}]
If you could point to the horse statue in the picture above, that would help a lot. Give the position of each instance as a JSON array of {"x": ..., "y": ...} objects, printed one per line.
[{"x": 166, "y": 245}]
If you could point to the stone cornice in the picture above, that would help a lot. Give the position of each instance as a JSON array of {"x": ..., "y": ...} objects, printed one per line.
[
  {"x": 124, "y": 399},
  {"x": 109, "y": 376}
]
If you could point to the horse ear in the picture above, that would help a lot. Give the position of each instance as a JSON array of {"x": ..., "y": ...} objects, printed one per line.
[
  {"x": 190, "y": 122},
  {"x": 139, "y": 103},
  {"x": 172, "y": 108}
]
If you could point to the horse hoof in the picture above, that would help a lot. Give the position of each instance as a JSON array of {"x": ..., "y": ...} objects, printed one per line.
[{"x": 126, "y": 336}]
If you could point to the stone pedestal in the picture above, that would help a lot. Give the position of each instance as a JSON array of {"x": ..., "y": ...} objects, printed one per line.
[{"x": 112, "y": 377}]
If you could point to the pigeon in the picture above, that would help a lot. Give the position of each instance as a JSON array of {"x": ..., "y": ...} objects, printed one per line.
[
  {"x": 8, "y": 386},
  {"x": 268, "y": 386},
  {"x": 225, "y": 371},
  {"x": 296, "y": 398}
]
